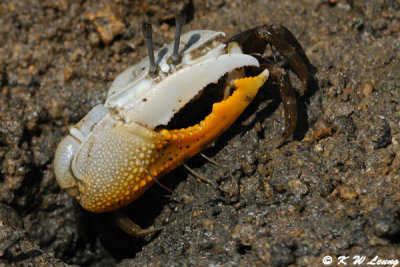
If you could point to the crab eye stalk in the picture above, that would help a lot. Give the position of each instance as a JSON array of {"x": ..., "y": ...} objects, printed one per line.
[
  {"x": 148, "y": 36},
  {"x": 180, "y": 19}
]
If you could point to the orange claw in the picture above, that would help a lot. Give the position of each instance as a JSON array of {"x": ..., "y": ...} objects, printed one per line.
[{"x": 164, "y": 150}]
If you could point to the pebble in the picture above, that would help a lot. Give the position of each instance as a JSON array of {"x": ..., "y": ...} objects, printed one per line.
[
  {"x": 106, "y": 23},
  {"x": 247, "y": 167},
  {"x": 321, "y": 130},
  {"x": 345, "y": 192},
  {"x": 297, "y": 187},
  {"x": 368, "y": 88},
  {"x": 245, "y": 233},
  {"x": 68, "y": 72},
  {"x": 94, "y": 39}
]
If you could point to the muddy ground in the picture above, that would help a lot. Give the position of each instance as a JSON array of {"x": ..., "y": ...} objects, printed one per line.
[{"x": 333, "y": 190}]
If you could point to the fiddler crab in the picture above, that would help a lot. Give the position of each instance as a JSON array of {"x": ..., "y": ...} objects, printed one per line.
[{"x": 117, "y": 151}]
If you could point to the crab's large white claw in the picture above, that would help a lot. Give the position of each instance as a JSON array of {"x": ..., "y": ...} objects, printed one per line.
[{"x": 157, "y": 106}]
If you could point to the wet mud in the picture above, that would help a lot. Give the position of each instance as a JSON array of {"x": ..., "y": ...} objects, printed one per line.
[{"x": 332, "y": 190}]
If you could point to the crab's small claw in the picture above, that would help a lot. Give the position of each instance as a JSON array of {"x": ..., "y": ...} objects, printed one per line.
[{"x": 254, "y": 42}]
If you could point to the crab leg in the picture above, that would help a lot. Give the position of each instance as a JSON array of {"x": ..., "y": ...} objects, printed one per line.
[
  {"x": 289, "y": 101},
  {"x": 185, "y": 143}
]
